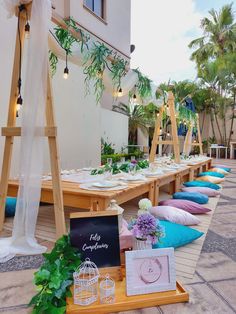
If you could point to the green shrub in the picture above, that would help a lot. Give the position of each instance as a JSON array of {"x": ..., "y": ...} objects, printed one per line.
[{"x": 117, "y": 157}]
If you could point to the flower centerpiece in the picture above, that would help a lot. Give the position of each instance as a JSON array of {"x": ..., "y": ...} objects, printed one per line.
[{"x": 146, "y": 230}]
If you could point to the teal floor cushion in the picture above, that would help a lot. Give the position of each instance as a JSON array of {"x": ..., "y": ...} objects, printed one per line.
[
  {"x": 203, "y": 183},
  {"x": 176, "y": 235},
  {"x": 10, "y": 207},
  {"x": 192, "y": 196},
  {"x": 211, "y": 173}
]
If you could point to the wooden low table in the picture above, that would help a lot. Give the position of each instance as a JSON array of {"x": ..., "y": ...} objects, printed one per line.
[
  {"x": 74, "y": 196},
  {"x": 124, "y": 303}
]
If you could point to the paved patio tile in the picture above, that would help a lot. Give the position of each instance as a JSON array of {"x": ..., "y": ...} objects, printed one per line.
[
  {"x": 227, "y": 289},
  {"x": 202, "y": 300},
  {"x": 227, "y": 231},
  {"x": 216, "y": 266},
  {"x": 15, "y": 310},
  {"x": 16, "y": 288}
]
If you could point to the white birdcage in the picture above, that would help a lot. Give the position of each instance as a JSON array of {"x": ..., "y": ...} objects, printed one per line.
[
  {"x": 86, "y": 283},
  {"x": 107, "y": 290}
]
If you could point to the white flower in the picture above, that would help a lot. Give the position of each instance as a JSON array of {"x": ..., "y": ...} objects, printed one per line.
[
  {"x": 145, "y": 204},
  {"x": 141, "y": 211}
]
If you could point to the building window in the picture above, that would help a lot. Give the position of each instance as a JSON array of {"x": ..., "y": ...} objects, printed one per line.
[{"x": 96, "y": 6}]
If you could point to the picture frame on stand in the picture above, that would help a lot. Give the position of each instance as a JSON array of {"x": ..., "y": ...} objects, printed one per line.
[{"x": 149, "y": 271}]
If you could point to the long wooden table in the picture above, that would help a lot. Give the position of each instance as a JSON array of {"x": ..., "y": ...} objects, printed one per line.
[{"x": 74, "y": 196}]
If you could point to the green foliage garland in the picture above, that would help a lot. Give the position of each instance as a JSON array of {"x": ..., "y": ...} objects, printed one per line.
[
  {"x": 118, "y": 69},
  {"x": 96, "y": 63},
  {"x": 143, "y": 85},
  {"x": 54, "y": 278},
  {"x": 186, "y": 116},
  {"x": 66, "y": 39},
  {"x": 53, "y": 60}
]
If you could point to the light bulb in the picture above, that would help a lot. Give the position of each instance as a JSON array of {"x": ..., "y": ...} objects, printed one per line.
[
  {"x": 27, "y": 30},
  {"x": 66, "y": 73},
  {"x": 158, "y": 114},
  {"x": 168, "y": 134},
  {"x": 120, "y": 92},
  {"x": 134, "y": 98},
  {"x": 18, "y": 106},
  {"x": 160, "y": 130}
]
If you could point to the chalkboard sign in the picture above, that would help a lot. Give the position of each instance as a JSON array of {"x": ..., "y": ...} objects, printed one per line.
[{"x": 96, "y": 235}]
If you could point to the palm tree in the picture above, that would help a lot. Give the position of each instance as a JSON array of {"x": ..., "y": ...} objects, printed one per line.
[
  {"x": 219, "y": 35},
  {"x": 139, "y": 117}
]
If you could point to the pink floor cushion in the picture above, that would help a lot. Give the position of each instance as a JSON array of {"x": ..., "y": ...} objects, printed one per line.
[
  {"x": 199, "y": 189},
  {"x": 211, "y": 179},
  {"x": 174, "y": 214},
  {"x": 188, "y": 206}
]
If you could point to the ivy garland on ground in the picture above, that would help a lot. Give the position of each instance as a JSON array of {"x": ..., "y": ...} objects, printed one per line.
[
  {"x": 96, "y": 61},
  {"x": 54, "y": 278}
]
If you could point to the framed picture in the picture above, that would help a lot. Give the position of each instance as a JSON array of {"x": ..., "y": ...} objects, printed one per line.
[{"x": 149, "y": 271}]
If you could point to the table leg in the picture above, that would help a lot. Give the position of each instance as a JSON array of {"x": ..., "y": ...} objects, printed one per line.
[
  {"x": 156, "y": 195},
  {"x": 151, "y": 193},
  {"x": 191, "y": 174}
]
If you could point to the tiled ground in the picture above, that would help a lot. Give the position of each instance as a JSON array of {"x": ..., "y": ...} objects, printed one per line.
[{"x": 212, "y": 290}]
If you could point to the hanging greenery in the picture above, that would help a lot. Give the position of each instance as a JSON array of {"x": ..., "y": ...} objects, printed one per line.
[
  {"x": 53, "y": 60},
  {"x": 54, "y": 278},
  {"x": 143, "y": 85},
  {"x": 118, "y": 69},
  {"x": 186, "y": 116},
  {"x": 66, "y": 39},
  {"x": 96, "y": 63}
]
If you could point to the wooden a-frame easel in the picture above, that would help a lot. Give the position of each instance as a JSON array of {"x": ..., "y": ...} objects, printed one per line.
[
  {"x": 157, "y": 131},
  {"x": 50, "y": 132},
  {"x": 199, "y": 142}
]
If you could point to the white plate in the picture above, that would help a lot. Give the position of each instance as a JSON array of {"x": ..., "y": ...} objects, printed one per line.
[
  {"x": 153, "y": 174},
  {"x": 105, "y": 184},
  {"x": 135, "y": 178}
]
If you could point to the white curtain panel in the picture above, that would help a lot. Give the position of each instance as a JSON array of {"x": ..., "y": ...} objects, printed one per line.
[{"x": 31, "y": 154}]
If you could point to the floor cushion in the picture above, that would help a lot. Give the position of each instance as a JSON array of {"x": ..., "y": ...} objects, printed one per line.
[
  {"x": 10, "y": 207},
  {"x": 194, "y": 197},
  {"x": 176, "y": 235},
  {"x": 202, "y": 183},
  {"x": 174, "y": 214},
  {"x": 219, "y": 170},
  {"x": 201, "y": 189},
  {"x": 211, "y": 173},
  {"x": 211, "y": 179},
  {"x": 189, "y": 206},
  {"x": 222, "y": 167}
]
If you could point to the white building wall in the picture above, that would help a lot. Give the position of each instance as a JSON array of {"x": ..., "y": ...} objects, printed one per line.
[
  {"x": 114, "y": 128},
  {"x": 116, "y": 30}
]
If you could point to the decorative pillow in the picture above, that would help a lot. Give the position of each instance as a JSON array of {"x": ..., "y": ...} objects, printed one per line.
[
  {"x": 194, "y": 197},
  {"x": 188, "y": 206},
  {"x": 174, "y": 214},
  {"x": 211, "y": 173},
  {"x": 176, "y": 235},
  {"x": 222, "y": 167},
  {"x": 10, "y": 207},
  {"x": 211, "y": 179},
  {"x": 219, "y": 170},
  {"x": 203, "y": 184},
  {"x": 200, "y": 189}
]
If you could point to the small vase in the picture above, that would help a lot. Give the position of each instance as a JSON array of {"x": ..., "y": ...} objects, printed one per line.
[{"x": 142, "y": 244}]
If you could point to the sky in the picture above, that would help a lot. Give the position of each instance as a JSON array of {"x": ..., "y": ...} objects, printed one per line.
[{"x": 161, "y": 31}]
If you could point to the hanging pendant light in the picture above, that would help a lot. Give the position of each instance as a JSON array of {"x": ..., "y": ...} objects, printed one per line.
[
  {"x": 66, "y": 70},
  {"x": 120, "y": 92}
]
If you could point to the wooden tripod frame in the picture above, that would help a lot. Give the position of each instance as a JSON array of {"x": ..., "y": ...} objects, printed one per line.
[
  {"x": 199, "y": 143},
  {"x": 157, "y": 131},
  {"x": 50, "y": 131}
]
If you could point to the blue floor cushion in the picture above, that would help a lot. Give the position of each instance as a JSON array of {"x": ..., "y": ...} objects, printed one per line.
[
  {"x": 203, "y": 183},
  {"x": 176, "y": 235},
  {"x": 212, "y": 174},
  {"x": 10, "y": 207},
  {"x": 191, "y": 196}
]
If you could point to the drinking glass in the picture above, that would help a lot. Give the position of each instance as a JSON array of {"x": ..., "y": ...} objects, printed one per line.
[
  {"x": 122, "y": 160},
  {"x": 109, "y": 161}
]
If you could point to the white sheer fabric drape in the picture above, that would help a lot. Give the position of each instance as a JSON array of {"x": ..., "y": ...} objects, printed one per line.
[
  {"x": 31, "y": 155},
  {"x": 188, "y": 141}
]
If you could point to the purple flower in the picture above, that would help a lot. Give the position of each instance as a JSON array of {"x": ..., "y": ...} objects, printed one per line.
[{"x": 145, "y": 225}]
